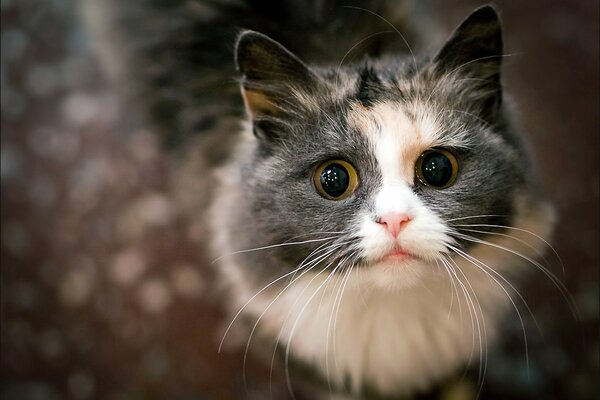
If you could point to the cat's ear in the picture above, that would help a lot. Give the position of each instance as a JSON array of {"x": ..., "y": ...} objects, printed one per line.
[
  {"x": 475, "y": 49},
  {"x": 272, "y": 75}
]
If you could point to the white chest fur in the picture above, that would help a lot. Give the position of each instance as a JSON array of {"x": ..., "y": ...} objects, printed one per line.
[{"x": 396, "y": 342}]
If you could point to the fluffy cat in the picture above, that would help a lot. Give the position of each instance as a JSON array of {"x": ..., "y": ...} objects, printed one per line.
[{"x": 369, "y": 217}]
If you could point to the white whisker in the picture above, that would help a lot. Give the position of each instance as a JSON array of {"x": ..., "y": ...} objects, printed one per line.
[
  {"x": 272, "y": 246},
  {"x": 480, "y": 265},
  {"x": 553, "y": 278},
  {"x": 300, "y": 266},
  {"x": 519, "y": 230}
]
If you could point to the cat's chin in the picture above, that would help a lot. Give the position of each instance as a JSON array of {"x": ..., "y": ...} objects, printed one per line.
[{"x": 396, "y": 272}]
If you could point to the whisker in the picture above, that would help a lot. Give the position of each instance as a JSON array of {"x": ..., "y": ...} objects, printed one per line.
[
  {"x": 519, "y": 230},
  {"x": 536, "y": 251},
  {"x": 553, "y": 278},
  {"x": 356, "y": 45},
  {"x": 453, "y": 290},
  {"x": 313, "y": 264},
  {"x": 278, "y": 339},
  {"x": 272, "y": 246},
  {"x": 475, "y": 216},
  {"x": 391, "y": 26},
  {"x": 287, "y": 350},
  {"x": 479, "y": 265},
  {"x": 336, "y": 310},
  {"x": 480, "y": 59},
  {"x": 329, "y": 322},
  {"x": 480, "y": 324},
  {"x": 300, "y": 266},
  {"x": 309, "y": 265}
]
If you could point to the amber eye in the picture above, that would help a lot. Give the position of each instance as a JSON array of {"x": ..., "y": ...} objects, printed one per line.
[
  {"x": 335, "y": 179},
  {"x": 437, "y": 168}
]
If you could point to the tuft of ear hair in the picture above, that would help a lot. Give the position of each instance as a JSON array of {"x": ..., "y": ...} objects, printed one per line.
[{"x": 270, "y": 74}]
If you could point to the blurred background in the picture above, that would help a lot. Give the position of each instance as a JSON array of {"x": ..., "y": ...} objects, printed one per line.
[{"x": 104, "y": 295}]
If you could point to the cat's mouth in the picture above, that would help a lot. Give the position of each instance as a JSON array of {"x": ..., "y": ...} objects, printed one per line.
[{"x": 397, "y": 254}]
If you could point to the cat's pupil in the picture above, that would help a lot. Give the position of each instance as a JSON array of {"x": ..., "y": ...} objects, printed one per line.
[
  {"x": 335, "y": 180},
  {"x": 436, "y": 169}
]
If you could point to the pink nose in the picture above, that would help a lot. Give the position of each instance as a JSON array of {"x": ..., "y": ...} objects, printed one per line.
[{"x": 394, "y": 222}]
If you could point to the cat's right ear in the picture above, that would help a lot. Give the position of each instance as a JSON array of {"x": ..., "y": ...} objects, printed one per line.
[{"x": 271, "y": 76}]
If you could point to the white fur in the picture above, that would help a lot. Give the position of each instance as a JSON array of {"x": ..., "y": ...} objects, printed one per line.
[{"x": 397, "y": 326}]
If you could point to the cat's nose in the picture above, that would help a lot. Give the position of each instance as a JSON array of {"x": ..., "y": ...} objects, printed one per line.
[{"x": 394, "y": 222}]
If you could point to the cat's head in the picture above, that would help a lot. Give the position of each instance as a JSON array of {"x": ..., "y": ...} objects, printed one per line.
[{"x": 373, "y": 164}]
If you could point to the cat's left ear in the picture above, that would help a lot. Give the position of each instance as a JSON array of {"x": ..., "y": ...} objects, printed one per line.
[
  {"x": 272, "y": 76},
  {"x": 475, "y": 49}
]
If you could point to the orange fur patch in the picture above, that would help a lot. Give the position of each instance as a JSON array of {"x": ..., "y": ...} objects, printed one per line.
[{"x": 399, "y": 140}]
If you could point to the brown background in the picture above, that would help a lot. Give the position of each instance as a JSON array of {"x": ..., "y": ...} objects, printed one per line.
[{"x": 103, "y": 295}]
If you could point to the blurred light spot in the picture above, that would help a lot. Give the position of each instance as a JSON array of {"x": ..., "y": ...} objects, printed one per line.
[
  {"x": 50, "y": 344},
  {"x": 75, "y": 288},
  {"x": 42, "y": 80},
  {"x": 52, "y": 143},
  {"x": 10, "y": 162},
  {"x": 127, "y": 267},
  {"x": 155, "y": 209},
  {"x": 154, "y": 296},
  {"x": 81, "y": 385},
  {"x": 86, "y": 182},
  {"x": 149, "y": 211},
  {"x": 187, "y": 281},
  {"x": 80, "y": 109},
  {"x": 155, "y": 363}
]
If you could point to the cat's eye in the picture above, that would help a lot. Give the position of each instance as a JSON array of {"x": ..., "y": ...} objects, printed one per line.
[
  {"x": 437, "y": 168},
  {"x": 335, "y": 179}
]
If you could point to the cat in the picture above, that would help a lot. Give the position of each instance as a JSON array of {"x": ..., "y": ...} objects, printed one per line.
[{"x": 369, "y": 218}]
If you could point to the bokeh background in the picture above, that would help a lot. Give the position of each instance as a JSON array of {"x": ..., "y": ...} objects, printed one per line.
[{"x": 104, "y": 295}]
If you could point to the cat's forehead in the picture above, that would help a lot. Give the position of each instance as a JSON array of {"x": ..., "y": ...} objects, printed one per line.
[{"x": 398, "y": 133}]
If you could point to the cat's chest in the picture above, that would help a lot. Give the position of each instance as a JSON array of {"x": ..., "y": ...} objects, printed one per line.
[{"x": 394, "y": 342}]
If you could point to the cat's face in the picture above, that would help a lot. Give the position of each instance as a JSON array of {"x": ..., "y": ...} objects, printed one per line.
[{"x": 371, "y": 166}]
